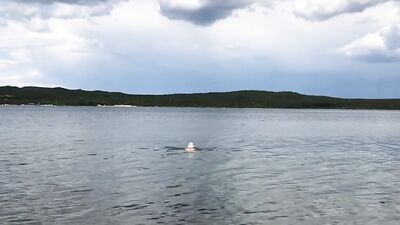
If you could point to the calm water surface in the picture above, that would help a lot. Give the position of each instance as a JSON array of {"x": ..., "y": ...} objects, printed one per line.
[{"x": 92, "y": 165}]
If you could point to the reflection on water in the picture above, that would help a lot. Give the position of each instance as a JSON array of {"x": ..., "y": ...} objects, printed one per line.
[{"x": 83, "y": 165}]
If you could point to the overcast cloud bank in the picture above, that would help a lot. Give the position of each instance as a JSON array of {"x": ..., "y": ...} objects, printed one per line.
[{"x": 335, "y": 47}]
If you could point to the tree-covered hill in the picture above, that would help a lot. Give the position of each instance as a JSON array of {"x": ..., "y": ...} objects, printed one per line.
[{"x": 237, "y": 99}]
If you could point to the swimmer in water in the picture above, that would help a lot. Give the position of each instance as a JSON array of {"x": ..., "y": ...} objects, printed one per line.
[{"x": 190, "y": 147}]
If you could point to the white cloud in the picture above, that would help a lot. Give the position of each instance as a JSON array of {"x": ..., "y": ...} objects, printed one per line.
[
  {"x": 27, "y": 53},
  {"x": 65, "y": 11},
  {"x": 325, "y": 9},
  {"x": 15, "y": 73},
  {"x": 382, "y": 46}
]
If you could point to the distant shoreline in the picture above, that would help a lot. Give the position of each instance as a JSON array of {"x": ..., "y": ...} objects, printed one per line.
[{"x": 236, "y": 99}]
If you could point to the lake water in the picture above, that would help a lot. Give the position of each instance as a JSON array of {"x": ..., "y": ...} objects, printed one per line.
[{"x": 95, "y": 165}]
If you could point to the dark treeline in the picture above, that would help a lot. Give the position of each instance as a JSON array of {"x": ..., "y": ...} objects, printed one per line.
[{"x": 236, "y": 99}]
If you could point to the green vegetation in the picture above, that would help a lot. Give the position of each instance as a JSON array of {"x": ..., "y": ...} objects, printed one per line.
[{"x": 236, "y": 99}]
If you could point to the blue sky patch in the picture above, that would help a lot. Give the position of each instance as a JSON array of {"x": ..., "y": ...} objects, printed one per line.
[{"x": 4, "y": 55}]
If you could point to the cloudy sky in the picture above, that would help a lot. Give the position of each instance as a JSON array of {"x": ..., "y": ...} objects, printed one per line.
[{"x": 345, "y": 48}]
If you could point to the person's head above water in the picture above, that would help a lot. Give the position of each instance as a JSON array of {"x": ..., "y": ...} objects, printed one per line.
[{"x": 190, "y": 145}]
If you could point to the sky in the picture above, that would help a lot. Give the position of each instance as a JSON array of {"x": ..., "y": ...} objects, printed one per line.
[{"x": 343, "y": 48}]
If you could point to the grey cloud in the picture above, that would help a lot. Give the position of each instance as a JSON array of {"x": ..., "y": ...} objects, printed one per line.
[
  {"x": 25, "y": 10},
  {"x": 375, "y": 56},
  {"x": 391, "y": 36},
  {"x": 319, "y": 10},
  {"x": 79, "y": 2},
  {"x": 205, "y": 12}
]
